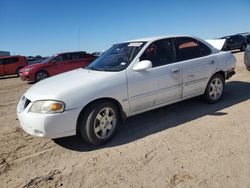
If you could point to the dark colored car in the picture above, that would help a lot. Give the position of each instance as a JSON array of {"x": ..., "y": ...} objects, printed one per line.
[
  {"x": 12, "y": 64},
  {"x": 247, "y": 36},
  {"x": 56, "y": 64},
  {"x": 235, "y": 42}
]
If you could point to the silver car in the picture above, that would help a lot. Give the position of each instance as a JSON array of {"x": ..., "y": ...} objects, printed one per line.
[{"x": 247, "y": 58}]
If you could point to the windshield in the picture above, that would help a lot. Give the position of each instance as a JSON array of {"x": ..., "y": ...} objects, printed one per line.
[
  {"x": 49, "y": 59},
  {"x": 117, "y": 58}
]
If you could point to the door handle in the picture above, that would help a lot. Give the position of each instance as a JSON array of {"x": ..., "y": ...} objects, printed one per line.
[
  {"x": 211, "y": 62},
  {"x": 175, "y": 71}
]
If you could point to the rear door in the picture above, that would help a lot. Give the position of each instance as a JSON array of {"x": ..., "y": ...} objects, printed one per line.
[
  {"x": 198, "y": 65},
  {"x": 10, "y": 65},
  {"x": 70, "y": 61},
  {"x": 76, "y": 60},
  {"x": 238, "y": 42},
  {"x": 87, "y": 60}
]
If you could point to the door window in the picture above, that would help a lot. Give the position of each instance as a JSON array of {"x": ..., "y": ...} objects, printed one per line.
[
  {"x": 205, "y": 50},
  {"x": 160, "y": 53},
  {"x": 187, "y": 48},
  {"x": 76, "y": 56},
  {"x": 63, "y": 57}
]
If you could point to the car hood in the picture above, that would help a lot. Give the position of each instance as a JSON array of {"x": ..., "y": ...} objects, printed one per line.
[
  {"x": 36, "y": 65},
  {"x": 66, "y": 86}
]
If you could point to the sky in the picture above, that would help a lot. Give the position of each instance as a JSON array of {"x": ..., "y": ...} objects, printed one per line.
[{"x": 46, "y": 27}]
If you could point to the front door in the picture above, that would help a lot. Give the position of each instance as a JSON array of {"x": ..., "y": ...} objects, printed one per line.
[{"x": 159, "y": 85}]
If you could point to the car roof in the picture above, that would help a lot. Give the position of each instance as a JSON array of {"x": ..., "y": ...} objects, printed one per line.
[
  {"x": 13, "y": 56},
  {"x": 71, "y": 52}
]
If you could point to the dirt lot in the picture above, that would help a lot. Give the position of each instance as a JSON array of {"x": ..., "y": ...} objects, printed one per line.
[{"x": 189, "y": 144}]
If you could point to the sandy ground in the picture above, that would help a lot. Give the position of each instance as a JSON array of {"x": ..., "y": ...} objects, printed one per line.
[{"x": 189, "y": 144}]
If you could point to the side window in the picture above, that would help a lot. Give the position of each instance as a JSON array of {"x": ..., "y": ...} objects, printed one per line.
[
  {"x": 159, "y": 53},
  {"x": 76, "y": 56},
  {"x": 187, "y": 48},
  {"x": 73, "y": 57},
  {"x": 205, "y": 50},
  {"x": 1, "y": 61},
  {"x": 63, "y": 57},
  {"x": 86, "y": 55},
  {"x": 10, "y": 60}
]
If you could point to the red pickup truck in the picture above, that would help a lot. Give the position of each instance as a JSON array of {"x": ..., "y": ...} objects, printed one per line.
[
  {"x": 12, "y": 64},
  {"x": 56, "y": 64}
]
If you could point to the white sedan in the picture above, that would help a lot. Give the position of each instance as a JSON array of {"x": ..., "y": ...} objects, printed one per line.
[{"x": 128, "y": 79}]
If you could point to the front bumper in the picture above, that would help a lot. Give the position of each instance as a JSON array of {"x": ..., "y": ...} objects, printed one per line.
[
  {"x": 25, "y": 76},
  {"x": 48, "y": 125}
]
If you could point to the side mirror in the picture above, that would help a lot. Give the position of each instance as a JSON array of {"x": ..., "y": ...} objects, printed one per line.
[
  {"x": 53, "y": 61},
  {"x": 143, "y": 66}
]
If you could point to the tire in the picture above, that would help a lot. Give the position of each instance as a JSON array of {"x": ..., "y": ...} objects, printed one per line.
[
  {"x": 214, "y": 89},
  {"x": 41, "y": 75},
  {"x": 248, "y": 68},
  {"x": 17, "y": 70},
  {"x": 243, "y": 47},
  {"x": 98, "y": 123}
]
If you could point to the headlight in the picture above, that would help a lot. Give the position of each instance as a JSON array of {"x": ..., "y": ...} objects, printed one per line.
[
  {"x": 47, "y": 107},
  {"x": 27, "y": 70}
]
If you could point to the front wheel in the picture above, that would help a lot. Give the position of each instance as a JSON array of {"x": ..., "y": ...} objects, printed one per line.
[
  {"x": 214, "y": 89},
  {"x": 41, "y": 75},
  {"x": 243, "y": 47},
  {"x": 98, "y": 123}
]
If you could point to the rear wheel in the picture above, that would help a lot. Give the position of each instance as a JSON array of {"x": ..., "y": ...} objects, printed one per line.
[
  {"x": 98, "y": 123},
  {"x": 248, "y": 68},
  {"x": 214, "y": 89},
  {"x": 243, "y": 47},
  {"x": 41, "y": 75}
]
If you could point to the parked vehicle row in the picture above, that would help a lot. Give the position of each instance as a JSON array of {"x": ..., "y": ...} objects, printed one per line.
[
  {"x": 41, "y": 68},
  {"x": 128, "y": 79},
  {"x": 56, "y": 64}
]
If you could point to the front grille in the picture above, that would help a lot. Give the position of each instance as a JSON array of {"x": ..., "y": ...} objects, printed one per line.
[{"x": 26, "y": 103}]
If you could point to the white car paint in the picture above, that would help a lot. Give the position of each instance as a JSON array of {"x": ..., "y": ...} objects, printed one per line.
[
  {"x": 217, "y": 43},
  {"x": 136, "y": 91}
]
